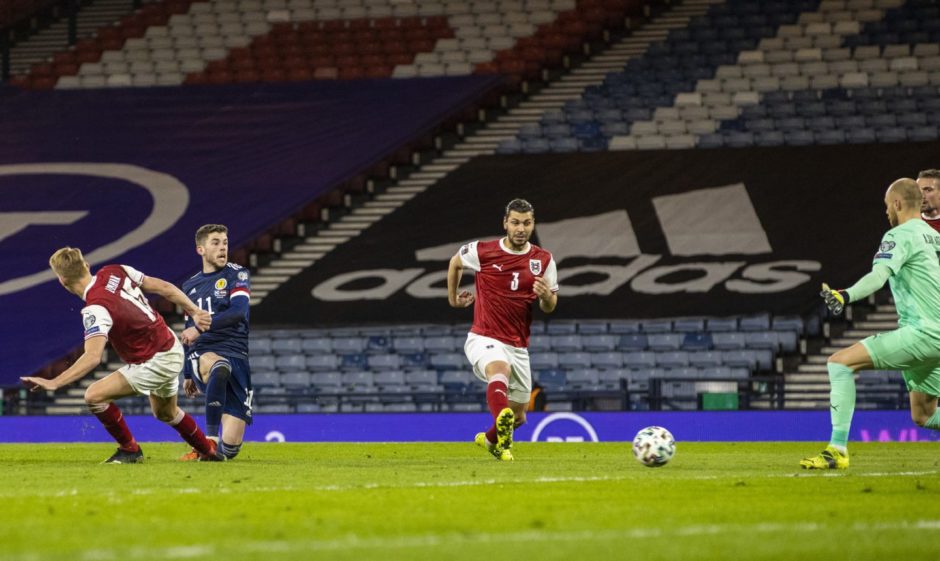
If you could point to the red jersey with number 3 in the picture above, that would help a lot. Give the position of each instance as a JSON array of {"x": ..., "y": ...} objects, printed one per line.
[
  {"x": 504, "y": 296},
  {"x": 116, "y": 308}
]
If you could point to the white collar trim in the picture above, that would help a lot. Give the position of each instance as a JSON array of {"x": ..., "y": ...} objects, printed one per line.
[
  {"x": 87, "y": 288},
  {"x": 502, "y": 246}
]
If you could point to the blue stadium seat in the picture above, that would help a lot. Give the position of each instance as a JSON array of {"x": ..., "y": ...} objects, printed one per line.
[
  {"x": 448, "y": 361},
  {"x": 542, "y": 361},
  {"x": 286, "y": 346},
  {"x": 722, "y": 324},
  {"x": 689, "y": 325},
  {"x": 261, "y": 363},
  {"x": 265, "y": 379},
  {"x": 414, "y": 360},
  {"x": 672, "y": 359},
  {"x": 408, "y": 344},
  {"x": 715, "y": 372},
  {"x": 286, "y": 363},
  {"x": 830, "y": 137},
  {"x": 536, "y": 146},
  {"x": 922, "y": 133},
  {"x": 353, "y": 361},
  {"x": 788, "y": 323},
  {"x": 317, "y": 345},
  {"x": 789, "y": 341},
  {"x": 376, "y": 344},
  {"x": 610, "y": 359},
  {"x": 861, "y": 136},
  {"x": 637, "y": 360},
  {"x": 664, "y": 341},
  {"x": 657, "y": 326},
  {"x": 697, "y": 342},
  {"x": 441, "y": 344},
  {"x": 610, "y": 379},
  {"x": 592, "y": 327},
  {"x": 705, "y": 359},
  {"x": 566, "y": 343},
  {"x": 711, "y": 140},
  {"x": 634, "y": 342},
  {"x": 761, "y": 340},
  {"x": 740, "y": 358},
  {"x": 384, "y": 362},
  {"x": 389, "y": 381},
  {"x": 329, "y": 382},
  {"x": 624, "y": 326},
  {"x": 295, "y": 380},
  {"x": 769, "y": 138},
  {"x": 539, "y": 343},
  {"x": 561, "y": 328},
  {"x": 349, "y": 344},
  {"x": 599, "y": 343},
  {"x": 586, "y": 379},
  {"x": 259, "y": 345},
  {"x": 457, "y": 381},
  {"x": 551, "y": 379},
  {"x": 759, "y": 322},
  {"x": 574, "y": 360},
  {"x": 728, "y": 341},
  {"x": 562, "y": 145}
]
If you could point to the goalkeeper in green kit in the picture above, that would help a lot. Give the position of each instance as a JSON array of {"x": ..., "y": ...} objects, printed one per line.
[{"x": 908, "y": 260}]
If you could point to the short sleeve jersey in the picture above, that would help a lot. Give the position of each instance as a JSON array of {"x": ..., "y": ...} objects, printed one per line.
[
  {"x": 911, "y": 252},
  {"x": 116, "y": 308},
  {"x": 214, "y": 293},
  {"x": 504, "y": 296}
]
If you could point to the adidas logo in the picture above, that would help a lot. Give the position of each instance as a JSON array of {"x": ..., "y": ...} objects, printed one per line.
[
  {"x": 214, "y": 404},
  {"x": 698, "y": 224},
  {"x": 192, "y": 291}
]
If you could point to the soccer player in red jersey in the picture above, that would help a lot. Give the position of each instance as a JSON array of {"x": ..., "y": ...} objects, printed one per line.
[
  {"x": 116, "y": 310},
  {"x": 929, "y": 183},
  {"x": 511, "y": 274}
]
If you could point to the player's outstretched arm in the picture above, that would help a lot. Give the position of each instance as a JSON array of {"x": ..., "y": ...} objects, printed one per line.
[
  {"x": 162, "y": 288},
  {"x": 454, "y": 273},
  {"x": 90, "y": 359}
]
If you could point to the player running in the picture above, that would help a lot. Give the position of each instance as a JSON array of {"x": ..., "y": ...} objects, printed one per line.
[
  {"x": 929, "y": 182},
  {"x": 511, "y": 273},
  {"x": 908, "y": 259},
  {"x": 217, "y": 357},
  {"x": 116, "y": 310}
]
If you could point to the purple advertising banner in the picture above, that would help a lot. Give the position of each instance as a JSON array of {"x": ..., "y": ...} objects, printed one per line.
[
  {"x": 701, "y": 426},
  {"x": 128, "y": 175}
]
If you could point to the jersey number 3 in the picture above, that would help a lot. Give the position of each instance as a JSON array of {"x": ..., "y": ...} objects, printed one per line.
[
  {"x": 136, "y": 297},
  {"x": 514, "y": 285}
]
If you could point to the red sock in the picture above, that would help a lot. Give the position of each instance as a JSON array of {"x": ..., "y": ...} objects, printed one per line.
[
  {"x": 491, "y": 434},
  {"x": 190, "y": 432},
  {"x": 497, "y": 396},
  {"x": 113, "y": 421}
]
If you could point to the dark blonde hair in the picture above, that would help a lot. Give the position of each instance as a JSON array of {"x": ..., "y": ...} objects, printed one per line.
[
  {"x": 203, "y": 232},
  {"x": 69, "y": 264},
  {"x": 908, "y": 191}
]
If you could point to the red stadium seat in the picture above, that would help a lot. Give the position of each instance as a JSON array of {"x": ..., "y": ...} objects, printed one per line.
[
  {"x": 328, "y": 73},
  {"x": 323, "y": 60},
  {"x": 299, "y": 74},
  {"x": 352, "y": 72},
  {"x": 379, "y": 71}
]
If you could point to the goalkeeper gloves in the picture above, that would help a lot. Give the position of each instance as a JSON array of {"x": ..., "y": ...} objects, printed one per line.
[{"x": 835, "y": 299}]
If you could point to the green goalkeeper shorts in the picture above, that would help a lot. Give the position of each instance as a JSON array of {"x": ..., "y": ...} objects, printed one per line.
[{"x": 915, "y": 353}]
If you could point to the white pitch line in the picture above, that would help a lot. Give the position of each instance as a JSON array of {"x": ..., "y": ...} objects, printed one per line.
[
  {"x": 544, "y": 480},
  {"x": 452, "y": 539}
]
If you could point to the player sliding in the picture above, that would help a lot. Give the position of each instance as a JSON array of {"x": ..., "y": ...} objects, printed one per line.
[
  {"x": 116, "y": 310},
  {"x": 908, "y": 260},
  {"x": 511, "y": 273},
  {"x": 217, "y": 360}
]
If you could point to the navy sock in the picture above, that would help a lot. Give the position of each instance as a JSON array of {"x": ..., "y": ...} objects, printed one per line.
[
  {"x": 215, "y": 395},
  {"x": 229, "y": 450}
]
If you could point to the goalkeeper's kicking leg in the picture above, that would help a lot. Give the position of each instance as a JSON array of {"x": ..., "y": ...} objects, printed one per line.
[{"x": 842, "y": 367}]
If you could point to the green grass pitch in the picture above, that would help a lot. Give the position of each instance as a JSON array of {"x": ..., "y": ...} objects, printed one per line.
[{"x": 451, "y": 501}]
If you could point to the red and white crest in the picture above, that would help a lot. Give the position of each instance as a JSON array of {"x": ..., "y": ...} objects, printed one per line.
[{"x": 535, "y": 266}]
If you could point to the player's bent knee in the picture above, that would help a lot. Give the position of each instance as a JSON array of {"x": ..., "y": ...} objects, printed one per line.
[
  {"x": 164, "y": 415},
  {"x": 920, "y": 419}
]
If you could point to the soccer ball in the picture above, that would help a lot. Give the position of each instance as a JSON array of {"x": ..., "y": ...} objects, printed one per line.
[{"x": 654, "y": 446}]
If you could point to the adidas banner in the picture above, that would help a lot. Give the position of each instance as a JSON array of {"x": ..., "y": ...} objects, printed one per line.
[{"x": 634, "y": 234}]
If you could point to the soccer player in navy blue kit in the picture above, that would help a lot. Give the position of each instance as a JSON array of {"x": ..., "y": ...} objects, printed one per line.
[{"x": 217, "y": 358}]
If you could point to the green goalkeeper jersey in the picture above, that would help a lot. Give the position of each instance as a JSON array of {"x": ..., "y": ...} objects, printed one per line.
[{"x": 912, "y": 252}]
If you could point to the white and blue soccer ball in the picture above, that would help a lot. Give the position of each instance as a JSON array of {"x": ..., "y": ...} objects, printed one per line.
[{"x": 654, "y": 446}]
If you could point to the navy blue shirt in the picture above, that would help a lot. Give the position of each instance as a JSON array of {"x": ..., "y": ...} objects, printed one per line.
[{"x": 225, "y": 294}]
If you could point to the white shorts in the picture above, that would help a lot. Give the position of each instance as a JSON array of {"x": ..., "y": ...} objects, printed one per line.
[
  {"x": 159, "y": 375},
  {"x": 482, "y": 350}
]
